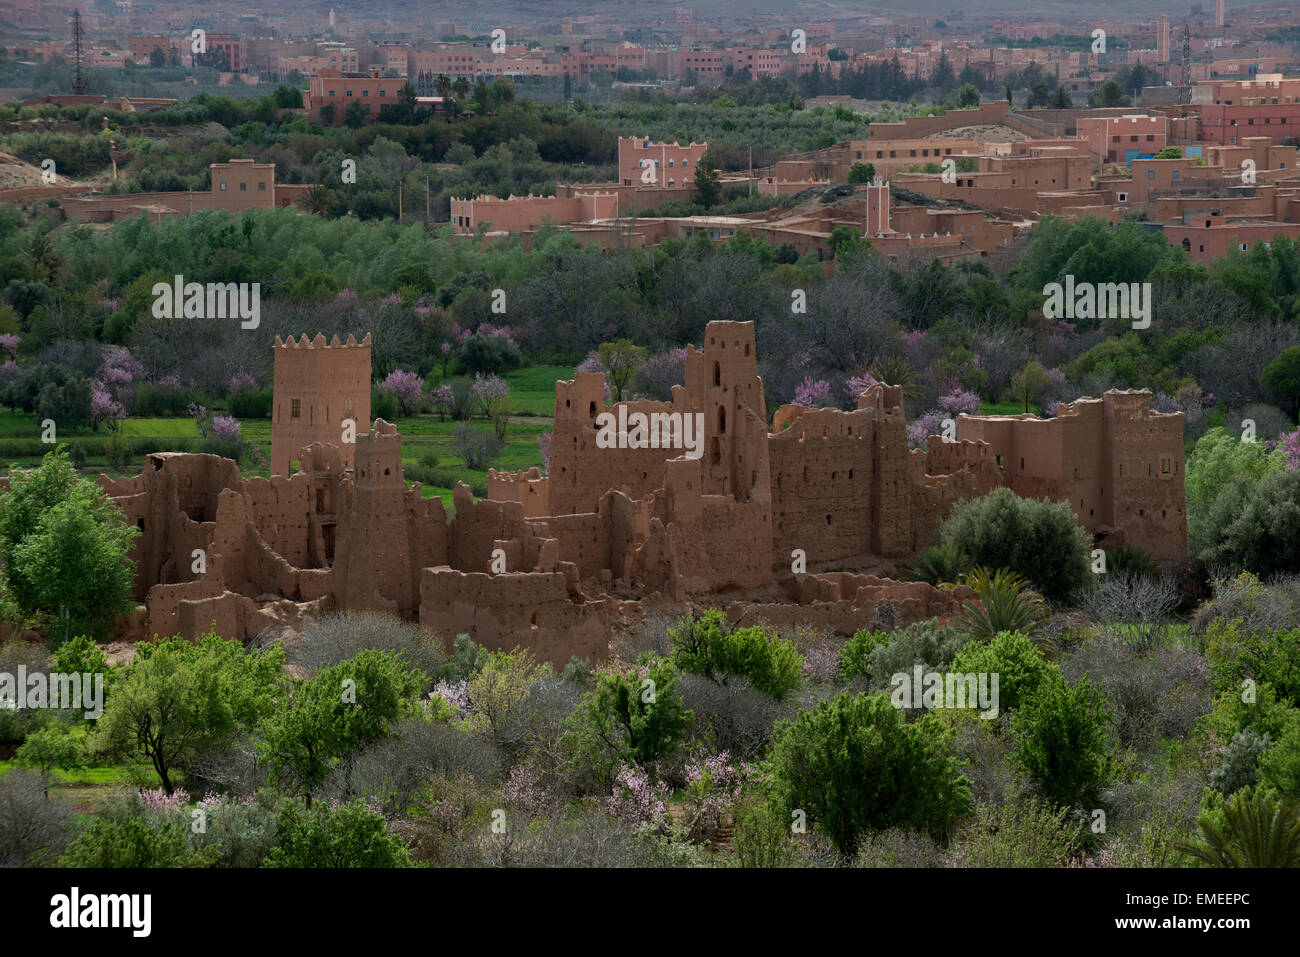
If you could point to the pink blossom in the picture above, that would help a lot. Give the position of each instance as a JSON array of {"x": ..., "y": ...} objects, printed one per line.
[
  {"x": 858, "y": 384},
  {"x": 925, "y": 426},
  {"x": 156, "y": 799},
  {"x": 407, "y": 386},
  {"x": 637, "y": 800},
  {"x": 226, "y": 427},
  {"x": 9, "y": 343},
  {"x": 241, "y": 380},
  {"x": 544, "y": 446},
  {"x": 955, "y": 403},
  {"x": 814, "y": 393}
]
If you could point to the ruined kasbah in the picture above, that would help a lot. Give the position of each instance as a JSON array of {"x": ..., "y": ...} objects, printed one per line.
[{"x": 697, "y": 501}]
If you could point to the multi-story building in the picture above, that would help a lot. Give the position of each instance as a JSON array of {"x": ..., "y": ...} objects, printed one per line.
[
  {"x": 646, "y": 163},
  {"x": 331, "y": 87},
  {"x": 1265, "y": 106}
]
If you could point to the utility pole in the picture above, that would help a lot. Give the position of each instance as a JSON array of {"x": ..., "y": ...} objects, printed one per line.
[
  {"x": 426, "y": 199},
  {"x": 1185, "y": 94},
  {"x": 751, "y": 170},
  {"x": 79, "y": 72},
  {"x": 399, "y": 200}
]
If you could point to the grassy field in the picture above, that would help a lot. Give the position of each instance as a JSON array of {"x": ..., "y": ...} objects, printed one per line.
[{"x": 427, "y": 442}]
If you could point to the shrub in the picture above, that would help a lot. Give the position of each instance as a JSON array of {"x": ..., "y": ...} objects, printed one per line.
[
  {"x": 488, "y": 353},
  {"x": 855, "y": 765},
  {"x": 1279, "y": 766},
  {"x": 926, "y": 643},
  {"x": 341, "y": 636},
  {"x": 1025, "y": 833},
  {"x": 383, "y": 404},
  {"x": 34, "y": 828},
  {"x": 1256, "y": 526},
  {"x": 1020, "y": 666},
  {"x": 708, "y": 646},
  {"x": 937, "y": 564},
  {"x": 1239, "y": 762},
  {"x": 1236, "y": 652},
  {"x": 1062, "y": 741},
  {"x": 127, "y": 835},
  {"x": 163, "y": 399},
  {"x": 478, "y": 449},
  {"x": 1038, "y": 539},
  {"x": 250, "y": 403},
  {"x": 351, "y": 836}
]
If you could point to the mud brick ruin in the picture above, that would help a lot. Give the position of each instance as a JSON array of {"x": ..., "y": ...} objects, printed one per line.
[{"x": 609, "y": 525}]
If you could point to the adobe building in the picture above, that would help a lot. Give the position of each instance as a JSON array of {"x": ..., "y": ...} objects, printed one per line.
[
  {"x": 318, "y": 388},
  {"x": 1117, "y": 462},
  {"x": 334, "y": 87},
  {"x": 672, "y": 163},
  {"x": 238, "y": 185},
  {"x": 719, "y": 506}
]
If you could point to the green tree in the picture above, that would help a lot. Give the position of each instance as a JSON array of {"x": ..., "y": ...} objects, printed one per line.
[
  {"x": 1108, "y": 94},
  {"x": 1063, "y": 740},
  {"x": 1256, "y": 526},
  {"x": 968, "y": 97},
  {"x": 1035, "y": 538},
  {"x": 1281, "y": 380},
  {"x": 63, "y": 548},
  {"x": 621, "y": 360},
  {"x": 178, "y": 699},
  {"x": 123, "y": 836},
  {"x": 157, "y": 58},
  {"x": 1062, "y": 101},
  {"x": 1029, "y": 382},
  {"x": 48, "y": 748},
  {"x": 327, "y": 718},
  {"x": 1216, "y": 463},
  {"x": 350, "y": 836},
  {"x": 708, "y": 646},
  {"x": 1170, "y": 153},
  {"x": 708, "y": 185},
  {"x": 628, "y": 718},
  {"x": 355, "y": 114},
  {"x": 1005, "y": 603},
  {"x": 854, "y": 765},
  {"x": 862, "y": 173}
]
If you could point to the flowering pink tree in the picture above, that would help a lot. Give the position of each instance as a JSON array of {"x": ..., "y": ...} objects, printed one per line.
[
  {"x": 104, "y": 409},
  {"x": 9, "y": 343},
  {"x": 858, "y": 384},
  {"x": 637, "y": 800},
  {"x": 493, "y": 396},
  {"x": 444, "y": 399},
  {"x": 814, "y": 393},
  {"x": 959, "y": 401},
  {"x": 241, "y": 380},
  {"x": 544, "y": 446},
  {"x": 407, "y": 386},
  {"x": 1289, "y": 442},
  {"x": 227, "y": 427},
  {"x": 924, "y": 427}
]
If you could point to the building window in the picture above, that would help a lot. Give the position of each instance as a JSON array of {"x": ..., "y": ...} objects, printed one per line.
[
  {"x": 223, "y": 187},
  {"x": 295, "y": 408},
  {"x": 261, "y": 187},
  {"x": 1151, "y": 174},
  {"x": 243, "y": 187},
  {"x": 1165, "y": 465}
]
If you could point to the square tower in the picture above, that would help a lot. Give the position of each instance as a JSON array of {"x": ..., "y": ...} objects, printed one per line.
[{"x": 317, "y": 387}]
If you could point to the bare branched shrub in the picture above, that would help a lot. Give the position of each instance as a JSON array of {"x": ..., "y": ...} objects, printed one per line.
[
  {"x": 393, "y": 770},
  {"x": 985, "y": 755},
  {"x": 1262, "y": 606},
  {"x": 733, "y": 716},
  {"x": 649, "y": 635},
  {"x": 1143, "y": 602},
  {"x": 1157, "y": 692},
  {"x": 33, "y": 829},
  {"x": 232, "y": 770},
  {"x": 339, "y": 637},
  {"x": 900, "y": 848}
]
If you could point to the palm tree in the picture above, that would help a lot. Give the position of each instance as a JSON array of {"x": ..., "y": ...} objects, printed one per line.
[
  {"x": 1006, "y": 603},
  {"x": 936, "y": 564},
  {"x": 443, "y": 85},
  {"x": 1257, "y": 832},
  {"x": 46, "y": 260},
  {"x": 896, "y": 371},
  {"x": 319, "y": 200}
]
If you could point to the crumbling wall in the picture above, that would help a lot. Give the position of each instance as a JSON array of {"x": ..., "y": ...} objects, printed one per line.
[{"x": 535, "y": 610}]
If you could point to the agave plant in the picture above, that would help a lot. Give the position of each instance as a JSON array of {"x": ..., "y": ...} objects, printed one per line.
[
  {"x": 1257, "y": 832},
  {"x": 938, "y": 563},
  {"x": 1006, "y": 603}
]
